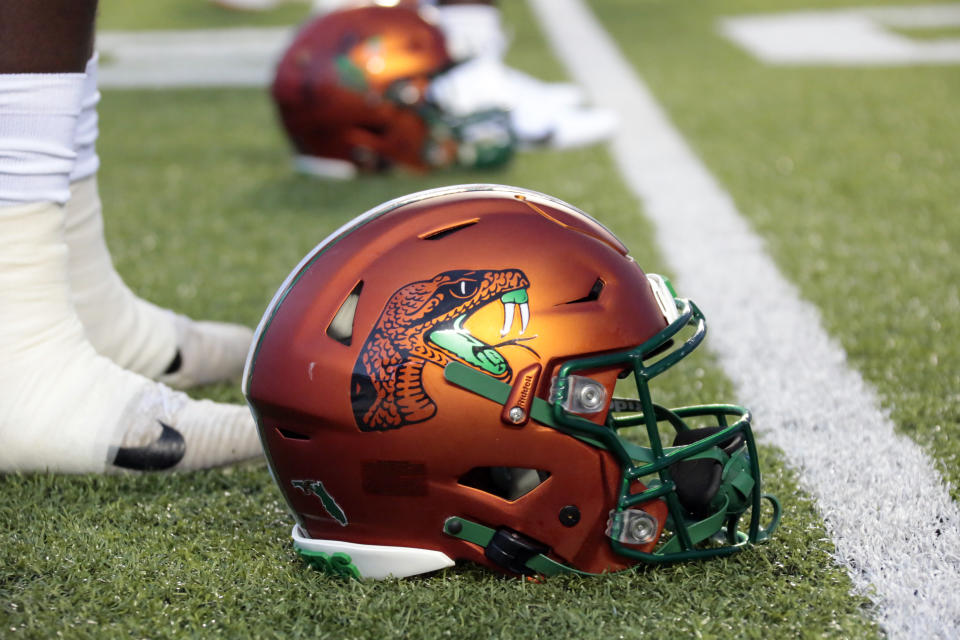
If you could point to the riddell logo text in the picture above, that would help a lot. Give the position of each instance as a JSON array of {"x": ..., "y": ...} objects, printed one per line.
[
  {"x": 525, "y": 391},
  {"x": 521, "y": 396}
]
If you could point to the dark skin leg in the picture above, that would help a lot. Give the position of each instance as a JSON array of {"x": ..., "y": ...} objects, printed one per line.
[{"x": 46, "y": 36}]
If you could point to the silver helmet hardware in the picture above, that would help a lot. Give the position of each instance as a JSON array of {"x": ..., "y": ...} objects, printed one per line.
[
  {"x": 632, "y": 526},
  {"x": 584, "y": 395},
  {"x": 591, "y": 396}
]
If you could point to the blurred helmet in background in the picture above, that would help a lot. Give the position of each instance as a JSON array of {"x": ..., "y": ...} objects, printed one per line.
[{"x": 352, "y": 92}]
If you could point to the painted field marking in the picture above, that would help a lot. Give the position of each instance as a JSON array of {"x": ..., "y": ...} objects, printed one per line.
[
  {"x": 201, "y": 58},
  {"x": 896, "y": 530},
  {"x": 246, "y": 57},
  {"x": 847, "y": 37}
]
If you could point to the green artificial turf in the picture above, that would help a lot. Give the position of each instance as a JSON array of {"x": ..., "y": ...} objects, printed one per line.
[
  {"x": 204, "y": 215},
  {"x": 209, "y": 555},
  {"x": 192, "y": 14},
  {"x": 923, "y": 33},
  {"x": 850, "y": 175}
]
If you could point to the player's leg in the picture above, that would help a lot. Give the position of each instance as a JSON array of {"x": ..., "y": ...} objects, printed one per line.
[
  {"x": 62, "y": 406},
  {"x": 132, "y": 332}
]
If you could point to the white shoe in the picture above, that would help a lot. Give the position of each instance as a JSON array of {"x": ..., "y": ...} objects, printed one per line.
[
  {"x": 63, "y": 407},
  {"x": 134, "y": 333},
  {"x": 207, "y": 352},
  {"x": 537, "y": 119},
  {"x": 562, "y": 128},
  {"x": 542, "y": 114},
  {"x": 526, "y": 88}
]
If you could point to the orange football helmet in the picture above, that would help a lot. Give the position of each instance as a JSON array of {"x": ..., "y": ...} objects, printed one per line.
[
  {"x": 438, "y": 380},
  {"x": 352, "y": 93}
]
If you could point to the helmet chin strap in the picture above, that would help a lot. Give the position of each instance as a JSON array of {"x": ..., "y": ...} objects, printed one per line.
[
  {"x": 523, "y": 558},
  {"x": 492, "y": 389}
]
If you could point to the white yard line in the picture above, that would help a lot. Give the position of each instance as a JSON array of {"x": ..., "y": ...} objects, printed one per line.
[
  {"x": 895, "y": 527},
  {"x": 199, "y": 58}
]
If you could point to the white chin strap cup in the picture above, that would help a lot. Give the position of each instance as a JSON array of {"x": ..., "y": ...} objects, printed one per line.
[{"x": 377, "y": 561}]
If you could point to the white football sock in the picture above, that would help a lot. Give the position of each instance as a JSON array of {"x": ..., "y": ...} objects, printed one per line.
[
  {"x": 132, "y": 332},
  {"x": 117, "y": 323},
  {"x": 63, "y": 407},
  {"x": 87, "y": 129},
  {"x": 38, "y": 113}
]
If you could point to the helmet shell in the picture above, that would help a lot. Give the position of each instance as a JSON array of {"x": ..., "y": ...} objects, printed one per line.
[{"x": 368, "y": 411}]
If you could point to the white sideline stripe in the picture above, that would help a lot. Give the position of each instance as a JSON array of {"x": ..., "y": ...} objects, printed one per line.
[
  {"x": 197, "y": 58},
  {"x": 888, "y": 511}
]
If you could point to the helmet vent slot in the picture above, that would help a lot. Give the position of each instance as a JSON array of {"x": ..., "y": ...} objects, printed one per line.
[
  {"x": 594, "y": 294},
  {"x": 446, "y": 231},
  {"x": 341, "y": 327},
  {"x": 291, "y": 435},
  {"x": 509, "y": 483}
]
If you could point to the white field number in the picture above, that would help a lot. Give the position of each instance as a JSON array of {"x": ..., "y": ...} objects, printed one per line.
[{"x": 864, "y": 36}]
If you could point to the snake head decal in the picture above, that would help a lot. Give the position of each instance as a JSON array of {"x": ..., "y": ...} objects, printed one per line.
[{"x": 423, "y": 322}]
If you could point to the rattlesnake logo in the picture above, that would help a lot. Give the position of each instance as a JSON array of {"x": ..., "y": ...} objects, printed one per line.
[{"x": 423, "y": 322}]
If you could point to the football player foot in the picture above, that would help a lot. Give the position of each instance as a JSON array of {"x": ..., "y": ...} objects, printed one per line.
[
  {"x": 65, "y": 408},
  {"x": 476, "y": 31},
  {"x": 536, "y": 119},
  {"x": 206, "y": 352},
  {"x": 542, "y": 114},
  {"x": 526, "y": 88},
  {"x": 562, "y": 128},
  {"x": 134, "y": 333}
]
